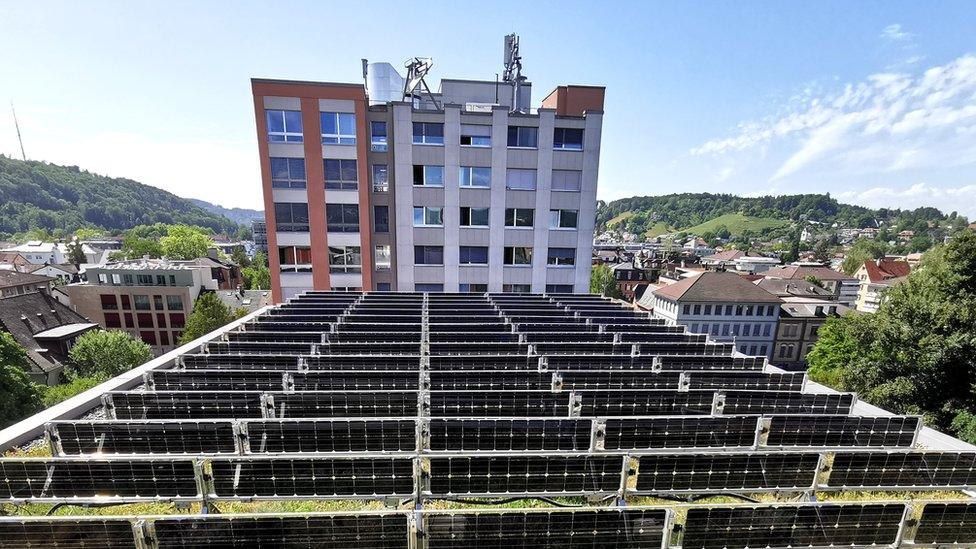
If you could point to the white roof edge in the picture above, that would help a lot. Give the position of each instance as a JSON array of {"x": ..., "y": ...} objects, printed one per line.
[{"x": 33, "y": 426}]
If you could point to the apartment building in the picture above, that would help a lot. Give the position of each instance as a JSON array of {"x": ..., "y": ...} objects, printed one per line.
[
  {"x": 842, "y": 287},
  {"x": 876, "y": 277},
  {"x": 453, "y": 191},
  {"x": 149, "y": 298},
  {"x": 723, "y": 305}
]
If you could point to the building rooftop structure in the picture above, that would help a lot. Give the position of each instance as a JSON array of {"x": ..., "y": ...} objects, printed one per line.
[
  {"x": 11, "y": 279},
  {"x": 346, "y": 399},
  {"x": 792, "y": 288},
  {"x": 716, "y": 286},
  {"x": 886, "y": 271},
  {"x": 803, "y": 271}
]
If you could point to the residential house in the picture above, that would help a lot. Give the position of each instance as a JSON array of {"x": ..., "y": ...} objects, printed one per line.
[
  {"x": 877, "y": 276},
  {"x": 723, "y": 305},
  {"x": 843, "y": 287},
  {"x": 13, "y": 261},
  {"x": 798, "y": 331},
  {"x": 696, "y": 245},
  {"x": 62, "y": 273},
  {"x": 16, "y": 283},
  {"x": 724, "y": 259},
  {"x": 628, "y": 277},
  {"x": 755, "y": 264},
  {"x": 51, "y": 253},
  {"x": 45, "y": 328}
]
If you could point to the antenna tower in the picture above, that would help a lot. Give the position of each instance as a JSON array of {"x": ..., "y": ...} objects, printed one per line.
[{"x": 513, "y": 70}]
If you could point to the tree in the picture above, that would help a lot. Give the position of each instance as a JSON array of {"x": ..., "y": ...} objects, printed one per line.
[
  {"x": 64, "y": 391},
  {"x": 184, "y": 242},
  {"x": 135, "y": 247},
  {"x": 917, "y": 354},
  {"x": 603, "y": 282},
  {"x": 863, "y": 249},
  {"x": 104, "y": 354},
  {"x": 821, "y": 252},
  {"x": 209, "y": 314},
  {"x": 814, "y": 280},
  {"x": 19, "y": 396},
  {"x": 76, "y": 254},
  {"x": 87, "y": 233},
  {"x": 239, "y": 257},
  {"x": 257, "y": 276}
]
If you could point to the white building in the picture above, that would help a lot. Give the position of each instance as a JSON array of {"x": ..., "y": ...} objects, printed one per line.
[{"x": 755, "y": 264}]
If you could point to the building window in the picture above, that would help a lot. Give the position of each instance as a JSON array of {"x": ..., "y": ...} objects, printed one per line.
[
  {"x": 516, "y": 288},
  {"x": 728, "y": 310},
  {"x": 686, "y": 309},
  {"x": 116, "y": 279},
  {"x": 295, "y": 259},
  {"x": 475, "y": 177},
  {"x": 174, "y": 302},
  {"x": 429, "y": 287},
  {"x": 345, "y": 259},
  {"x": 112, "y": 320},
  {"x": 145, "y": 320},
  {"x": 288, "y": 173},
  {"x": 559, "y": 288},
  {"x": 160, "y": 320},
  {"x": 762, "y": 350},
  {"x": 428, "y": 133},
  {"x": 381, "y": 178},
  {"x": 284, "y": 126},
  {"x": 172, "y": 280},
  {"x": 176, "y": 320},
  {"x": 567, "y": 139},
  {"x": 696, "y": 310},
  {"x": 520, "y": 180},
  {"x": 472, "y": 288},
  {"x": 291, "y": 217},
  {"x": 341, "y": 174},
  {"x": 102, "y": 278},
  {"x": 381, "y": 219},
  {"x": 109, "y": 302},
  {"x": 561, "y": 257},
  {"x": 426, "y": 216},
  {"x": 338, "y": 128},
  {"x": 708, "y": 309},
  {"x": 382, "y": 258},
  {"x": 519, "y": 217},
  {"x": 164, "y": 338},
  {"x": 566, "y": 180},
  {"x": 428, "y": 176},
  {"x": 725, "y": 329},
  {"x": 523, "y": 136},
  {"x": 746, "y": 328},
  {"x": 126, "y": 302},
  {"x": 158, "y": 302},
  {"x": 473, "y": 255},
  {"x": 160, "y": 280},
  {"x": 563, "y": 219},
  {"x": 518, "y": 255},
  {"x": 377, "y": 136},
  {"x": 715, "y": 329},
  {"x": 148, "y": 336},
  {"x": 766, "y": 330},
  {"x": 428, "y": 255},
  {"x": 383, "y": 287},
  {"x": 474, "y": 135},
  {"x": 342, "y": 218},
  {"x": 142, "y": 302},
  {"x": 752, "y": 350},
  {"x": 473, "y": 217},
  {"x": 143, "y": 280}
]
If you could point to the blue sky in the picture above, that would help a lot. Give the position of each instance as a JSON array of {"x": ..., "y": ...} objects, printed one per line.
[{"x": 874, "y": 102}]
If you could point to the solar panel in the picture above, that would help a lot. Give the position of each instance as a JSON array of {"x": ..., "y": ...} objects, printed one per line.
[
  {"x": 318, "y": 478},
  {"x": 550, "y": 474},
  {"x": 509, "y": 434},
  {"x": 141, "y": 437},
  {"x": 312, "y": 436},
  {"x": 182, "y": 405},
  {"x": 76, "y": 533},
  {"x": 620, "y": 529},
  {"x": 645, "y": 403},
  {"x": 660, "y": 473},
  {"x": 792, "y": 526},
  {"x": 93, "y": 479},
  {"x": 949, "y": 523},
  {"x": 903, "y": 470},
  {"x": 843, "y": 431},
  {"x": 499, "y": 404},
  {"x": 363, "y": 531},
  {"x": 680, "y": 432},
  {"x": 343, "y": 404},
  {"x": 780, "y": 402}
]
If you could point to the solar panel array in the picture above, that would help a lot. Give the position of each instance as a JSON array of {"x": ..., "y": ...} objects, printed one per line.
[{"x": 425, "y": 397}]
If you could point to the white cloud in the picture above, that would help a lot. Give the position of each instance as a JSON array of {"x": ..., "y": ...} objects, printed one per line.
[
  {"x": 895, "y": 32},
  {"x": 946, "y": 198},
  {"x": 889, "y": 122}
]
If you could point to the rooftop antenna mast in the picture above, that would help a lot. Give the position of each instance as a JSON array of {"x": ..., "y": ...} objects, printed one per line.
[
  {"x": 17, "y": 126},
  {"x": 414, "y": 86},
  {"x": 513, "y": 70}
]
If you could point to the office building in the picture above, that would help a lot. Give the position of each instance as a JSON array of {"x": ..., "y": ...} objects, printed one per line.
[{"x": 466, "y": 189}]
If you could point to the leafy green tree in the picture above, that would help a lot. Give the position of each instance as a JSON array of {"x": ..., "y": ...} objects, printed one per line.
[
  {"x": 209, "y": 314},
  {"x": 104, "y": 354},
  {"x": 19, "y": 396},
  {"x": 135, "y": 247},
  {"x": 821, "y": 252},
  {"x": 64, "y": 391},
  {"x": 239, "y": 257},
  {"x": 603, "y": 282},
  {"x": 87, "y": 233},
  {"x": 814, "y": 280},
  {"x": 917, "y": 354},
  {"x": 76, "y": 254},
  {"x": 863, "y": 249},
  {"x": 184, "y": 242}
]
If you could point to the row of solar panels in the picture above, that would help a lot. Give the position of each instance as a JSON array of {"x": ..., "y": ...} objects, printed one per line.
[
  {"x": 96, "y": 479},
  {"x": 583, "y": 403},
  {"x": 647, "y": 364},
  {"x": 228, "y": 379},
  {"x": 700, "y": 527},
  {"x": 385, "y": 335},
  {"x": 669, "y": 434},
  {"x": 469, "y": 348}
]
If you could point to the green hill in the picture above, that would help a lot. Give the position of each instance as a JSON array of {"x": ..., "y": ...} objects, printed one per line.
[
  {"x": 38, "y": 195},
  {"x": 768, "y": 216}
]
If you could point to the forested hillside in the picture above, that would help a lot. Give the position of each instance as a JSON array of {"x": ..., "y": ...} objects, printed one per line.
[
  {"x": 38, "y": 195},
  {"x": 652, "y": 214}
]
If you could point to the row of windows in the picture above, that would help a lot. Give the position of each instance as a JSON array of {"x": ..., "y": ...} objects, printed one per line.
[
  {"x": 289, "y": 173},
  {"x": 482, "y": 288},
  {"x": 110, "y": 302},
  {"x": 137, "y": 280},
  {"x": 144, "y": 320},
  {"x": 739, "y": 310},
  {"x": 478, "y": 255},
  {"x": 339, "y": 128},
  {"x": 433, "y": 216},
  {"x": 732, "y": 329}
]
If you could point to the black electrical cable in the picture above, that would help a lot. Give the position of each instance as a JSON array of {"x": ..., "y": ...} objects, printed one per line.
[{"x": 552, "y": 502}]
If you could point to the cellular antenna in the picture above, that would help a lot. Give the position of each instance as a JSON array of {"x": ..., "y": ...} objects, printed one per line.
[
  {"x": 17, "y": 126},
  {"x": 414, "y": 86},
  {"x": 513, "y": 70}
]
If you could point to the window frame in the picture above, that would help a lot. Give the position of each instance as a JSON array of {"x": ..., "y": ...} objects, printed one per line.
[
  {"x": 509, "y": 172},
  {"x": 423, "y": 138},
  {"x": 379, "y": 251},
  {"x": 559, "y": 142},
  {"x": 345, "y": 212},
  {"x": 375, "y": 144},
  {"x": 291, "y": 226},
  {"x": 385, "y": 170},
  {"x": 470, "y": 216},
  {"x": 287, "y": 134},
  {"x": 462, "y": 260},
  {"x": 345, "y": 253},
  {"x": 423, "y": 210},
  {"x": 556, "y": 220},
  {"x": 515, "y": 218},
  {"x": 518, "y": 134},
  {"x": 552, "y": 261},
  {"x": 290, "y": 181},
  {"x": 425, "y": 250},
  {"x": 471, "y": 137},
  {"x": 469, "y": 171},
  {"x": 510, "y": 256},
  {"x": 341, "y": 184},
  {"x": 337, "y": 138},
  {"x": 296, "y": 266},
  {"x": 376, "y": 217},
  {"x": 424, "y": 170}
]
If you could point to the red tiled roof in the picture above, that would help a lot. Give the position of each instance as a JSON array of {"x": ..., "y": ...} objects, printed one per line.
[
  {"x": 716, "y": 286},
  {"x": 880, "y": 270}
]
